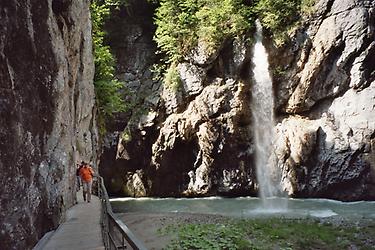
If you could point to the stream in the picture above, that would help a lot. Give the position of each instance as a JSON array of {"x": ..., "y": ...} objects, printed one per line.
[{"x": 247, "y": 207}]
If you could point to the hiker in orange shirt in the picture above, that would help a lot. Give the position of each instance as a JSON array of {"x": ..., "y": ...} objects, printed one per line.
[{"x": 86, "y": 174}]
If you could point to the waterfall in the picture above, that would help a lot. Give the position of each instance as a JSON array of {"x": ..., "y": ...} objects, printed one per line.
[{"x": 263, "y": 115}]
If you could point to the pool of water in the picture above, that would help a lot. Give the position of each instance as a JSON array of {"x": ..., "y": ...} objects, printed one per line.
[{"x": 248, "y": 207}]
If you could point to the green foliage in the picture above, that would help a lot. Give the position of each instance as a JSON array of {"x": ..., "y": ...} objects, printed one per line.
[
  {"x": 172, "y": 78},
  {"x": 278, "y": 16},
  {"x": 222, "y": 19},
  {"x": 307, "y": 6},
  {"x": 126, "y": 135},
  {"x": 109, "y": 97},
  {"x": 182, "y": 23},
  {"x": 176, "y": 24},
  {"x": 158, "y": 71},
  {"x": 208, "y": 236},
  {"x": 282, "y": 16},
  {"x": 107, "y": 87},
  {"x": 278, "y": 72},
  {"x": 269, "y": 234}
]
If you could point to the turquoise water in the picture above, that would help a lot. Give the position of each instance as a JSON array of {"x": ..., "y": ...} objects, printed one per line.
[{"x": 247, "y": 207}]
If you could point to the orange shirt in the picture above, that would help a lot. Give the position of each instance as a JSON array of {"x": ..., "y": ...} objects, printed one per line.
[{"x": 86, "y": 173}]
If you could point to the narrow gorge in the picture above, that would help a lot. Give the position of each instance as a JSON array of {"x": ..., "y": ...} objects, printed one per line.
[{"x": 189, "y": 126}]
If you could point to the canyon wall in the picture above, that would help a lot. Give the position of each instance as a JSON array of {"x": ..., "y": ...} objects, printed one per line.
[
  {"x": 47, "y": 116},
  {"x": 196, "y": 137},
  {"x": 185, "y": 139},
  {"x": 326, "y": 103},
  {"x": 130, "y": 30}
]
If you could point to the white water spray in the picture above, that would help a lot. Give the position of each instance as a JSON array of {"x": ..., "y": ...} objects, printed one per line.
[{"x": 263, "y": 114}]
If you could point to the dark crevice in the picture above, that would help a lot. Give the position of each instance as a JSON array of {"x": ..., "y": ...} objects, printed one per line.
[
  {"x": 372, "y": 136},
  {"x": 60, "y": 6},
  {"x": 171, "y": 179},
  {"x": 369, "y": 66},
  {"x": 329, "y": 8}
]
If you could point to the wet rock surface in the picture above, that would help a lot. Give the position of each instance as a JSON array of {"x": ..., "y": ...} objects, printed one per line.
[{"x": 46, "y": 114}]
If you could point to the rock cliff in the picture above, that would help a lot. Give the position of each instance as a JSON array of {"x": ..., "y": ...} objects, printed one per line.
[
  {"x": 326, "y": 103},
  {"x": 130, "y": 30},
  {"x": 196, "y": 138},
  {"x": 193, "y": 138},
  {"x": 47, "y": 120}
]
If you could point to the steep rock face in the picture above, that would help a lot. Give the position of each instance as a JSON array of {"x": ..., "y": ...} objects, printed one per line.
[
  {"x": 200, "y": 137},
  {"x": 195, "y": 137},
  {"x": 146, "y": 156},
  {"x": 190, "y": 150},
  {"x": 191, "y": 137},
  {"x": 130, "y": 30},
  {"x": 46, "y": 114},
  {"x": 327, "y": 96}
]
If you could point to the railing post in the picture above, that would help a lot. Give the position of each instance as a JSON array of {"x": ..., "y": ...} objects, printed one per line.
[
  {"x": 123, "y": 243},
  {"x": 109, "y": 222}
]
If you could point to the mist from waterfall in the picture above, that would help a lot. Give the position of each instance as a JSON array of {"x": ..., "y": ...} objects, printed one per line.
[{"x": 268, "y": 175}]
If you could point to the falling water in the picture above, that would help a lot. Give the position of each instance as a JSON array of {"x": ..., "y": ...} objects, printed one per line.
[{"x": 262, "y": 111}]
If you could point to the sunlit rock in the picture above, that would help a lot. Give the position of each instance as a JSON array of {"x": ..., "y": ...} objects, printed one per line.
[{"x": 192, "y": 78}]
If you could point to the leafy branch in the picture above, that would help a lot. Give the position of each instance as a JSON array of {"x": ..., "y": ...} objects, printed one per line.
[{"x": 107, "y": 86}]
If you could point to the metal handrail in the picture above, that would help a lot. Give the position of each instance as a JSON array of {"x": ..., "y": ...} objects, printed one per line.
[{"x": 116, "y": 235}]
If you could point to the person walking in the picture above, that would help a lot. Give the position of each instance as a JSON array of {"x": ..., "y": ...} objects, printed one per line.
[{"x": 86, "y": 174}]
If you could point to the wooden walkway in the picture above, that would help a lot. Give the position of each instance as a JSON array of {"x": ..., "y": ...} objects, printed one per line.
[{"x": 80, "y": 231}]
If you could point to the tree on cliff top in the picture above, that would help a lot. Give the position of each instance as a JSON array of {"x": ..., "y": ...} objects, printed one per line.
[
  {"x": 280, "y": 16},
  {"x": 182, "y": 23}
]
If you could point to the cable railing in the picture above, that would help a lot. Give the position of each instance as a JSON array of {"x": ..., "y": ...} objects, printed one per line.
[{"x": 116, "y": 235}]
